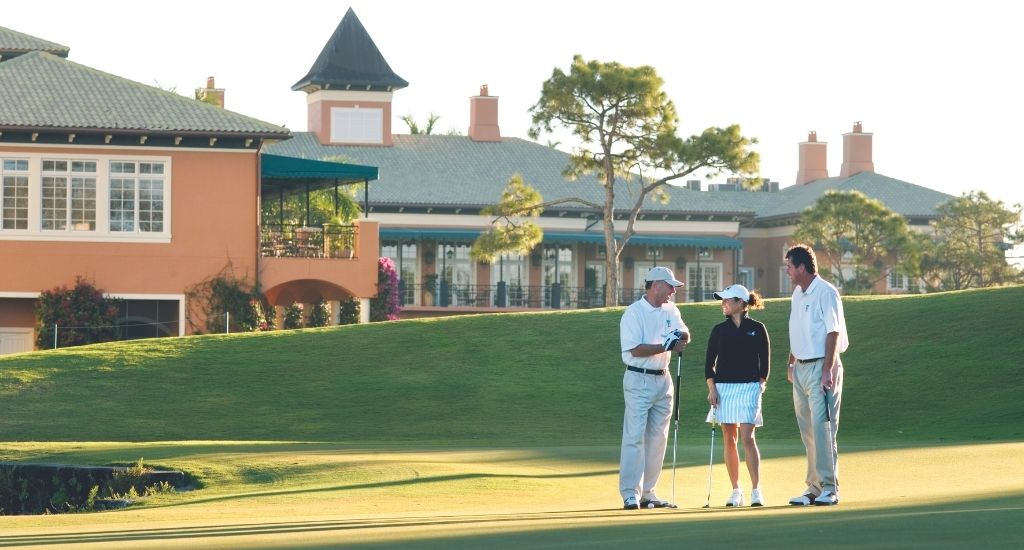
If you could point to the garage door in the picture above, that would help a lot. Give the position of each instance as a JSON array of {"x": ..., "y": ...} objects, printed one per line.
[{"x": 15, "y": 340}]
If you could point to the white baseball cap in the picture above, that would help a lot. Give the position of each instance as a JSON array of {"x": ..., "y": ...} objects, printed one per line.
[
  {"x": 734, "y": 291},
  {"x": 661, "y": 273}
]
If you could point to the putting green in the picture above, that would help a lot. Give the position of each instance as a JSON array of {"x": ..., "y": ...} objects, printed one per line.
[{"x": 311, "y": 495}]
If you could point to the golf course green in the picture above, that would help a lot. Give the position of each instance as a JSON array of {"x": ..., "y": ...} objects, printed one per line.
[{"x": 501, "y": 431}]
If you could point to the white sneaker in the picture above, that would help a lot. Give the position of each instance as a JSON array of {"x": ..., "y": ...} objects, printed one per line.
[
  {"x": 736, "y": 498},
  {"x": 631, "y": 504},
  {"x": 827, "y": 498},
  {"x": 756, "y": 499},
  {"x": 805, "y": 499}
]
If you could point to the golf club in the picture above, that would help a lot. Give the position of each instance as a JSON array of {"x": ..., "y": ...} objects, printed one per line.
[
  {"x": 711, "y": 459},
  {"x": 675, "y": 435},
  {"x": 833, "y": 451}
]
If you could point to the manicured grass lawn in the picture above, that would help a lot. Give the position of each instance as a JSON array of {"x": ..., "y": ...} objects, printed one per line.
[
  {"x": 935, "y": 367},
  {"x": 321, "y": 495},
  {"x": 501, "y": 431}
]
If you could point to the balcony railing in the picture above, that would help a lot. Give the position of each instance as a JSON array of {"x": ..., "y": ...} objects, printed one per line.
[
  {"x": 296, "y": 241},
  {"x": 441, "y": 294}
]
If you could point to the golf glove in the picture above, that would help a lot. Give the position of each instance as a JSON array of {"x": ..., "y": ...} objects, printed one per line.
[{"x": 671, "y": 339}]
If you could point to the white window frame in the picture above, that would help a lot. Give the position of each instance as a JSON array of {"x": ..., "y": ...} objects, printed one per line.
[
  {"x": 706, "y": 291},
  {"x": 14, "y": 172},
  {"x": 904, "y": 284},
  {"x": 785, "y": 284},
  {"x": 102, "y": 233},
  {"x": 69, "y": 175},
  {"x": 357, "y": 125},
  {"x": 749, "y": 272}
]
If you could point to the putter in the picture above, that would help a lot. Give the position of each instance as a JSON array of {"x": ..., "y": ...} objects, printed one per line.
[
  {"x": 711, "y": 459},
  {"x": 832, "y": 450},
  {"x": 675, "y": 435}
]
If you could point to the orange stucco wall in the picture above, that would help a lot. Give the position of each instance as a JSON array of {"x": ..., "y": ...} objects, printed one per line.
[
  {"x": 765, "y": 255},
  {"x": 213, "y": 198},
  {"x": 285, "y": 280}
]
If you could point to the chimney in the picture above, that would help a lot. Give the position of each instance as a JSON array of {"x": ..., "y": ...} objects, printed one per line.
[
  {"x": 812, "y": 160},
  {"x": 856, "y": 152},
  {"x": 483, "y": 117},
  {"x": 211, "y": 94}
]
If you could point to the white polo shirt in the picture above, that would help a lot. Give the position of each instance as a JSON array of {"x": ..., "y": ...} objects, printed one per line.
[
  {"x": 643, "y": 323},
  {"x": 814, "y": 314}
]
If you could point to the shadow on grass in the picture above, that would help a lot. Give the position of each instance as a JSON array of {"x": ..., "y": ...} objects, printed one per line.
[
  {"x": 991, "y": 523},
  {"x": 382, "y": 484}
]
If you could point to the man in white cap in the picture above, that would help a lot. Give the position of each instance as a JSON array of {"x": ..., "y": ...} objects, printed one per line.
[{"x": 650, "y": 330}]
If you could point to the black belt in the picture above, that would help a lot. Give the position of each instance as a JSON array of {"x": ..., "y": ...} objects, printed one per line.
[
  {"x": 645, "y": 371},
  {"x": 809, "y": 360}
]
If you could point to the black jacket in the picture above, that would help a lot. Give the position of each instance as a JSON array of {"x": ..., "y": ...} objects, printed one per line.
[{"x": 738, "y": 354}]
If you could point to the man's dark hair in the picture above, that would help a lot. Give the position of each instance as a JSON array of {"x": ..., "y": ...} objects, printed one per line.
[
  {"x": 647, "y": 285},
  {"x": 803, "y": 255}
]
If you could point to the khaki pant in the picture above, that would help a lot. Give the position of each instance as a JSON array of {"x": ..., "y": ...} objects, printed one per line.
[
  {"x": 818, "y": 434},
  {"x": 644, "y": 432}
]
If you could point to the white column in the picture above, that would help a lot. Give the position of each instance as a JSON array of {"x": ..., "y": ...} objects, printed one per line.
[
  {"x": 335, "y": 312},
  {"x": 278, "y": 317},
  {"x": 364, "y": 310}
]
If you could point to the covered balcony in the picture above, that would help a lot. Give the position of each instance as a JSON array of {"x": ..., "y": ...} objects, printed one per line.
[{"x": 312, "y": 243}]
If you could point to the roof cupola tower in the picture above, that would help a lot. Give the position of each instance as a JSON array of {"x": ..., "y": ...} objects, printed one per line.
[{"x": 349, "y": 89}]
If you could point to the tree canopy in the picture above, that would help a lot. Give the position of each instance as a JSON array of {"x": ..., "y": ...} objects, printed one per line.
[
  {"x": 968, "y": 246},
  {"x": 859, "y": 239},
  {"x": 627, "y": 133}
]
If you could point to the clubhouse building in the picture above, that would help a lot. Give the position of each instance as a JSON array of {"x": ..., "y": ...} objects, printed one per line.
[{"x": 146, "y": 193}]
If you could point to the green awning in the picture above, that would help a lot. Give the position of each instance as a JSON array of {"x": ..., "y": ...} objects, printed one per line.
[
  {"x": 467, "y": 235},
  {"x": 276, "y": 169}
]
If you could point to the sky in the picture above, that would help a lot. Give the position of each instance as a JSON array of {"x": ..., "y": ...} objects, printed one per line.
[{"x": 937, "y": 83}]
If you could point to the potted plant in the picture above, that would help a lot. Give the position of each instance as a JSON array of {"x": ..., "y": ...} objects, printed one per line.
[
  {"x": 429, "y": 288},
  {"x": 340, "y": 239}
]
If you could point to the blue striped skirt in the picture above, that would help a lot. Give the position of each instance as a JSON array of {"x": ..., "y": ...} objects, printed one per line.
[{"x": 737, "y": 404}]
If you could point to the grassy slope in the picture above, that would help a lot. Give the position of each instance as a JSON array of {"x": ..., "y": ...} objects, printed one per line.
[{"x": 924, "y": 368}]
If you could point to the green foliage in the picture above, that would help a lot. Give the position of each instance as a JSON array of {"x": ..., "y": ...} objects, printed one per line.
[
  {"x": 293, "y": 316},
  {"x": 125, "y": 481},
  {"x": 627, "y": 127},
  {"x": 349, "y": 312},
  {"x": 201, "y": 96},
  {"x": 320, "y": 315},
  {"x": 426, "y": 129},
  {"x": 876, "y": 239},
  {"x": 82, "y": 314},
  {"x": 325, "y": 205},
  {"x": 518, "y": 200},
  {"x": 45, "y": 489},
  {"x": 968, "y": 247},
  {"x": 213, "y": 298}
]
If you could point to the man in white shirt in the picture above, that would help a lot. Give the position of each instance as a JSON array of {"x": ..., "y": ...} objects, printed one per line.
[
  {"x": 817, "y": 336},
  {"x": 650, "y": 330}
]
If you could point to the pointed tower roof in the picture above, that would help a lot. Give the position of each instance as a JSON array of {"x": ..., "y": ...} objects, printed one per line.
[{"x": 350, "y": 61}]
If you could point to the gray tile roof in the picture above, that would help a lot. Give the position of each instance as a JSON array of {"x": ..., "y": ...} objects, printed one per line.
[
  {"x": 14, "y": 43},
  {"x": 41, "y": 91},
  {"x": 901, "y": 197},
  {"x": 442, "y": 170},
  {"x": 350, "y": 59},
  {"x": 439, "y": 170}
]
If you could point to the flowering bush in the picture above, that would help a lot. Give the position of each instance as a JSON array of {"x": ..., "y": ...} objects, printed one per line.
[
  {"x": 82, "y": 315},
  {"x": 386, "y": 305}
]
